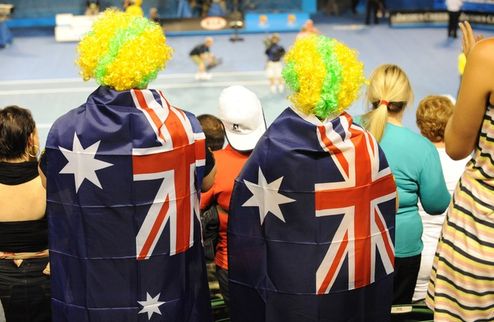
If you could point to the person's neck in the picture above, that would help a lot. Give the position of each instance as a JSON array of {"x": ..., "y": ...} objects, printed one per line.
[
  {"x": 439, "y": 144},
  {"x": 17, "y": 160},
  {"x": 395, "y": 119}
]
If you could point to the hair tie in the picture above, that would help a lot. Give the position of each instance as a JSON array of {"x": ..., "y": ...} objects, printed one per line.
[{"x": 383, "y": 102}]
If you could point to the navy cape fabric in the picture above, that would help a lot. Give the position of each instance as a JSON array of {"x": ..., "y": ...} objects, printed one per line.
[
  {"x": 124, "y": 172},
  {"x": 311, "y": 225}
]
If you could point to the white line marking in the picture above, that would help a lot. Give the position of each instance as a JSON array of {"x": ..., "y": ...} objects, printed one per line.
[
  {"x": 160, "y": 76},
  {"x": 156, "y": 85}
]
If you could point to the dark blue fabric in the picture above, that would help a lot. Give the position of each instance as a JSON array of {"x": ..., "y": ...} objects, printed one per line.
[
  {"x": 5, "y": 35},
  {"x": 95, "y": 273},
  {"x": 273, "y": 265}
]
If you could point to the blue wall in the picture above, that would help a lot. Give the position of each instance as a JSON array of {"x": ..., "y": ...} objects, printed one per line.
[
  {"x": 488, "y": 6},
  {"x": 166, "y": 8}
]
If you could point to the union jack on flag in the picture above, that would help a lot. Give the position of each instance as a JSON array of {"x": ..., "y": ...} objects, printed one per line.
[
  {"x": 311, "y": 225},
  {"x": 124, "y": 172}
]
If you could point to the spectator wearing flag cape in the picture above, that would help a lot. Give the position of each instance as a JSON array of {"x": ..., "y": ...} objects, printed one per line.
[
  {"x": 416, "y": 165},
  {"x": 124, "y": 171},
  {"x": 243, "y": 119},
  {"x": 311, "y": 222}
]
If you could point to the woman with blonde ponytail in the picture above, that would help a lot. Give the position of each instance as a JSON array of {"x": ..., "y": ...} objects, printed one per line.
[{"x": 414, "y": 162}]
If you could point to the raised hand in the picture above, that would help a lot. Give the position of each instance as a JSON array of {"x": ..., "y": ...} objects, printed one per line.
[{"x": 469, "y": 39}]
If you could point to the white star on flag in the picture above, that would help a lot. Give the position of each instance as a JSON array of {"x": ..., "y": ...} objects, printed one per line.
[
  {"x": 266, "y": 196},
  {"x": 82, "y": 163},
  {"x": 151, "y": 305}
]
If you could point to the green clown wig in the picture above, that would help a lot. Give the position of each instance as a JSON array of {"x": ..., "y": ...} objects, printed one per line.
[
  {"x": 324, "y": 75},
  {"x": 123, "y": 51}
]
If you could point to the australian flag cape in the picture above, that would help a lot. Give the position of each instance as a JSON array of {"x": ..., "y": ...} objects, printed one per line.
[
  {"x": 311, "y": 225},
  {"x": 124, "y": 172}
]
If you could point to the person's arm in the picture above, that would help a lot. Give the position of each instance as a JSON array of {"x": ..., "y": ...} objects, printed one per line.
[
  {"x": 433, "y": 193},
  {"x": 209, "y": 172},
  {"x": 207, "y": 198},
  {"x": 42, "y": 168},
  {"x": 476, "y": 88}
]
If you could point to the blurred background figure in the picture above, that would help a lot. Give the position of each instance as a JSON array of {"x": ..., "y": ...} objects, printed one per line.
[
  {"x": 308, "y": 29},
  {"x": 275, "y": 52},
  {"x": 135, "y": 8},
  {"x": 24, "y": 287},
  {"x": 433, "y": 113},
  {"x": 354, "y": 5},
  {"x": 154, "y": 15},
  {"x": 373, "y": 10},
  {"x": 92, "y": 7},
  {"x": 217, "y": 8},
  {"x": 454, "y": 11},
  {"x": 205, "y": 60},
  {"x": 183, "y": 9}
]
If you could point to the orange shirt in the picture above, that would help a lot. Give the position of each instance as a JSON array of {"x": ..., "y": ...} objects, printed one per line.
[{"x": 229, "y": 162}]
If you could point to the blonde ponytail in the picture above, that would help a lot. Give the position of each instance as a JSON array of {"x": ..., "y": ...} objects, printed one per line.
[
  {"x": 375, "y": 121},
  {"x": 388, "y": 85}
]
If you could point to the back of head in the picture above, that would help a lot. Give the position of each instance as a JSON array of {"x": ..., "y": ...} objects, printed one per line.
[
  {"x": 16, "y": 126},
  {"x": 389, "y": 91},
  {"x": 123, "y": 51},
  {"x": 433, "y": 114},
  {"x": 324, "y": 74},
  {"x": 213, "y": 130},
  {"x": 243, "y": 118}
]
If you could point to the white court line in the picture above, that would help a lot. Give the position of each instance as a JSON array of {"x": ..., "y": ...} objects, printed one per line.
[
  {"x": 156, "y": 85},
  {"x": 161, "y": 76}
]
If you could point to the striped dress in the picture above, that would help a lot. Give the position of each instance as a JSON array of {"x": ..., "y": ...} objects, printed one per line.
[{"x": 461, "y": 286}]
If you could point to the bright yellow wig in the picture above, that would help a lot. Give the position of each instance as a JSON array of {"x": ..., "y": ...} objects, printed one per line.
[
  {"x": 325, "y": 75},
  {"x": 123, "y": 51}
]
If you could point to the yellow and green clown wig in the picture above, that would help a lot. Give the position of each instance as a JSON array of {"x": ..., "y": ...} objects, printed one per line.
[
  {"x": 324, "y": 75},
  {"x": 123, "y": 51}
]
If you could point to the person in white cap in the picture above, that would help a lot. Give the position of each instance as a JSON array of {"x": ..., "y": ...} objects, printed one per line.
[{"x": 241, "y": 113}]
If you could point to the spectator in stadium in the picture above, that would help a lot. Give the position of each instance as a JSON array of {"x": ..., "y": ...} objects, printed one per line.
[
  {"x": 299, "y": 212},
  {"x": 241, "y": 113},
  {"x": 461, "y": 285},
  {"x": 308, "y": 29},
  {"x": 454, "y": 11},
  {"x": 183, "y": 10},
  {"x": 24, "y": 283},
  {"x": 119, "y": 168},
  {"x": 135, "y": 8},
  {"x": 92, "y": 7},
  {"x": 275, "y": 53},
  {"x": 213, "y": 130},
  {"x": 205, "y": 60},
  {"x": 154, "y": 15},
  {"x": 371, "y": 11},
  {"x": 433, "y": 113},
  {"x": 415, "y": 164}
]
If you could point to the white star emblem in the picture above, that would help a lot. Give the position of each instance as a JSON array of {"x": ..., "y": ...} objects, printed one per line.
[
  {"x": 151, "y": 305},
  {"x": 266, "y": 196},
  {"x": 82, "y": 163}
]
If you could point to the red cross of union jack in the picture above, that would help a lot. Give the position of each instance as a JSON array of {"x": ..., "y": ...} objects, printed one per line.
[
  {"x": 362, "y": 232},
  {"x": 174, "y": 163}
]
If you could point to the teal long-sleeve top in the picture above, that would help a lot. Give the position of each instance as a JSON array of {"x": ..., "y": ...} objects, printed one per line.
[{"x": 415, "y": 164}]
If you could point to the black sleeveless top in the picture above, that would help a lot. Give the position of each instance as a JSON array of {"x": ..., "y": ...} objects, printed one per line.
[{"x": 22, "y": 236}]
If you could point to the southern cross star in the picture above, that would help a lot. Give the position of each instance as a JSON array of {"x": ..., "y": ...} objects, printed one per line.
[
  {"x": 82, "y": 163},
  {"x": 266, "y": 196}
]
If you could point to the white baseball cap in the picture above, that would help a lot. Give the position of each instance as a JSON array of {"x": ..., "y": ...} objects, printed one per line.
[{"x": 241, "y": 113}]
